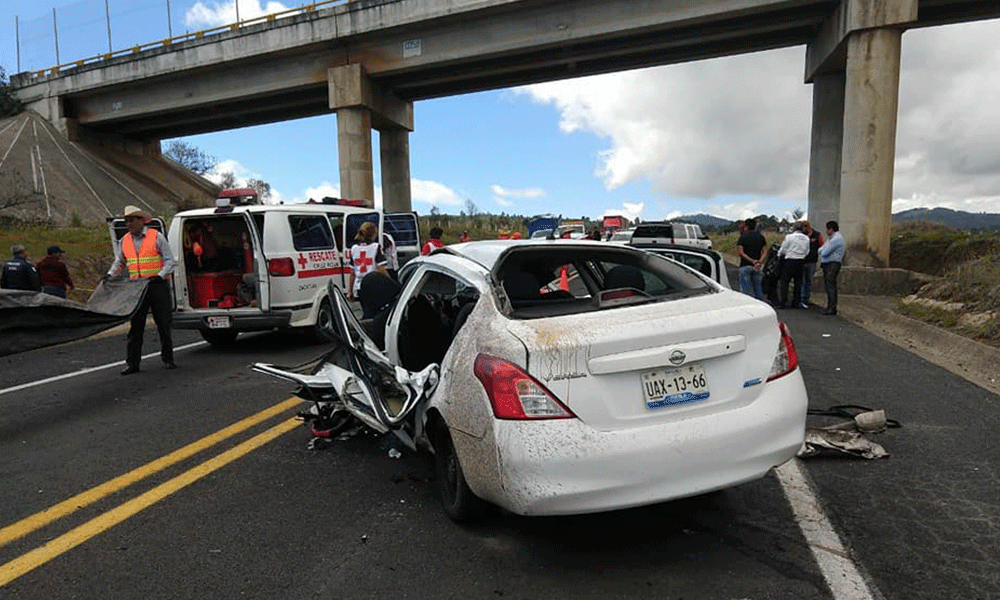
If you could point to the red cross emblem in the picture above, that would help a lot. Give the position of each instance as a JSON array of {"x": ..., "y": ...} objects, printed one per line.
[
  {"x": 302, "y": 261},
  {"x": 363, "y": 262}
]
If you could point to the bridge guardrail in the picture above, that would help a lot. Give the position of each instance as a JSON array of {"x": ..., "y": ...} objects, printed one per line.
[{"x": 29, "y": 77}]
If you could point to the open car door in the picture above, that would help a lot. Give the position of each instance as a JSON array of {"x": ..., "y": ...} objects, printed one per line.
[
  {"x": 706, "y": 262},
  {"x": 356, "y": 377}
]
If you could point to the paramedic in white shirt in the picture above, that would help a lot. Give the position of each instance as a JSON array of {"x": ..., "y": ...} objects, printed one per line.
[
  {"x": 366, "y": 256},
  {"x": 793, "y": 251}
]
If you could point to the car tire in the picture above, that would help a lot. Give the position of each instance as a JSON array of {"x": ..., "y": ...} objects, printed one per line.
[
  {"x": 219, "y": 337},
  {"x": 458, "y": 501},
  {"x": 324, "y": 331}
]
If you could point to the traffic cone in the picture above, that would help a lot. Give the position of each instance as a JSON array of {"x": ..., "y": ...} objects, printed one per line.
[{"x": 564, "y": 279}]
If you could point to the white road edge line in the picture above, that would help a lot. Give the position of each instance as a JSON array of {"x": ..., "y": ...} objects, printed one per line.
[
  {"x": 839, "y": 570},
  {"x": 32, "y": 384}
]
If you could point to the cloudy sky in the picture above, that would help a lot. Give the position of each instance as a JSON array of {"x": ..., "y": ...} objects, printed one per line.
[{"x": 728, "y": 137}]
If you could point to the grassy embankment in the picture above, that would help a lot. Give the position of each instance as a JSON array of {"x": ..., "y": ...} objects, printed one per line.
[
  {"x": 967, "y": 263},
  {"x": 88, "y": 250}
]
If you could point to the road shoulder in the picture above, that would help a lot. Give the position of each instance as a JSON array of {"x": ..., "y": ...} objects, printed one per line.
[{"x": 973, "y": 361}]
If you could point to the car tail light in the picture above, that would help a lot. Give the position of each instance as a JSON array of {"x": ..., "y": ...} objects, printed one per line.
[
  {"x": 280, "y": 267},
  {"x": 786, "y": 359},
  {"x": 514, "y": 394}
]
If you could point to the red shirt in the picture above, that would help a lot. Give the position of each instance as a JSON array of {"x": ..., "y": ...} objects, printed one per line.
[
  {"x": 431, "y": 245},
  {"x": 53, "y": 272}
]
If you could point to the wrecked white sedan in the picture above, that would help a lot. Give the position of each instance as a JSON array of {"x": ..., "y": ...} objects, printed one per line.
[{"x": 566, "y": 376}]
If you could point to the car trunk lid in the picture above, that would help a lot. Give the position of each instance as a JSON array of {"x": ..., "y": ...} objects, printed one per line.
[{"x": 640, "y": 365}]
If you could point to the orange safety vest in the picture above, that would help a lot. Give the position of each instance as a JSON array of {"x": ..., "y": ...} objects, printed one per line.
[{"x": 148, "y": 261}]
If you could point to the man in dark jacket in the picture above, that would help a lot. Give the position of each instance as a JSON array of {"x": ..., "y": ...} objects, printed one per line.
[
  {"x": 54, "y": 274},
  {"x": 809, "y": 266},
  {"x": 19, "y": 273}
]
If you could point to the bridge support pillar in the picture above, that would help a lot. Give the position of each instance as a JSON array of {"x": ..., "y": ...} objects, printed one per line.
[
  {"x": 853, "y": 63},
  {"x": 394, "y": 150},
  {"x": 870, "y": 105},
  {"x": 360, "y": 104},
  {"x": 354, "y": 147},
  {"x": 827, "y": 143}
]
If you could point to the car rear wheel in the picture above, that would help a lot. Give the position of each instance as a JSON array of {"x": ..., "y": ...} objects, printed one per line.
[
  {"x": 324, "y": 331},
  {"x": 458, "y": 501},
  {"x": 219, "y": 337}
]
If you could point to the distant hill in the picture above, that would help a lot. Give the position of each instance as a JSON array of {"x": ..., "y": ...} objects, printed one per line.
[
  {"x": 704, "y": 220},
  {"x": 952, "y": 218}
]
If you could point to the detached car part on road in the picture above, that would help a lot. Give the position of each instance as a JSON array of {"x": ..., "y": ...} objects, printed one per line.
[{"x": 563, "y": 376}]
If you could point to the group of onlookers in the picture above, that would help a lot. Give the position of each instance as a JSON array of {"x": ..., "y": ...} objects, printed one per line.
[
  {"x": 795, "y": 263},
  {"x": 49, "y": 275}
]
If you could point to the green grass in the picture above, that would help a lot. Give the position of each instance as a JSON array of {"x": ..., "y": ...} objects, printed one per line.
[{"x": 75, "y": 241}]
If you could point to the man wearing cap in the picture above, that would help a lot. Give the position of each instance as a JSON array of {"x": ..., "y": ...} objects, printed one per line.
[
  {"x": 53, "y": 273},
  {"x": 145, "y": 254},
  {"x": 19, "y": 273}
]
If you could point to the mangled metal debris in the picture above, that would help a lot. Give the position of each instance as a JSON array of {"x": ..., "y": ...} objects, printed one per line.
[{"x": 849, "y": 435}]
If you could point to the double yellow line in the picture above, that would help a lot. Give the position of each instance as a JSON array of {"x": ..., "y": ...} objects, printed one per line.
[{"x": 41, "y": 555}]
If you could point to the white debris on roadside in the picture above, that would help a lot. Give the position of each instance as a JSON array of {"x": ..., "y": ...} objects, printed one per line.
[
  {"x": 853, "y": 443},
  {"x": 848, "y": 436},
  {"x": 394, "y": 453}
]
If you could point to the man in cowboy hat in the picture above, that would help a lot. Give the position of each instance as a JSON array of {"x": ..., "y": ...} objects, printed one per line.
[{"x": 145, "y": 254}]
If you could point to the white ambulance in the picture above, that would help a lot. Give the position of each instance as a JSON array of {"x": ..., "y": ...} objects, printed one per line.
[{"x": 243, "y": 266}]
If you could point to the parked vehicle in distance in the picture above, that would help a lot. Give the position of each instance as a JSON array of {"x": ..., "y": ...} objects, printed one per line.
[
  {"x": 622, "y": 236},
  {"x": 543, "y": 223},
  {"x": 566, "y": 376},
  {"x": 612, "y": 223},
  {"x": 664, "y": 232},
  {"x": 709, "y": 263}
]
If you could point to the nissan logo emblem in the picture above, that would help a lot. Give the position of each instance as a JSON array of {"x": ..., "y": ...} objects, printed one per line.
[{"x": 677, "y": 357}]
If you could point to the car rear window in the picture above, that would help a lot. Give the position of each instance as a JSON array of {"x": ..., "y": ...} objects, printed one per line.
[
  {"x": 545, "y": 281},
  {"x": 653, "y": 231}
]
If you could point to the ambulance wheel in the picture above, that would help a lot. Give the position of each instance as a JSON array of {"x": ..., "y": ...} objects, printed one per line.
[
  {"x": 324, "y": 331},
  {"x": 219, "y": 337}
]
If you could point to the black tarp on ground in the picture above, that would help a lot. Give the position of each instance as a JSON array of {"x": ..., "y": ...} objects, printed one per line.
[{"x": 30, "y": 320}]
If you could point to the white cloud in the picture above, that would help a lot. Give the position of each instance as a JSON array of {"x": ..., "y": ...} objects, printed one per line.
[
  {"x": 434, "y": 193},
  {"x": 718, "y": 127},
  {"x": 202, "y": 15},
  {"x": 629, "y": 210},
  {"x": 740, "y": 126},
  {"x": 318, "y": 192},
  {"x": 503, "y": 196},
  {"x": 503, "y": 192},
  {"x": 241, "y": 176}
]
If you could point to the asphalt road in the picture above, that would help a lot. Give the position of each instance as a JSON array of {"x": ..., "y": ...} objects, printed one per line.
[{"x": 244, "y": 517}]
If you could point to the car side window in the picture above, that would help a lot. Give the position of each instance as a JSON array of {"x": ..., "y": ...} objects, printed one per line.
[
  {"x": 432, "y": 317},
  {"x": 310, "y": 232}
]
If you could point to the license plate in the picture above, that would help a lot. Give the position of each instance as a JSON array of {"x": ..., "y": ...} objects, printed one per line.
[
  {"x": 667, "y": 387},
  {"x": 219, "y": 322}
]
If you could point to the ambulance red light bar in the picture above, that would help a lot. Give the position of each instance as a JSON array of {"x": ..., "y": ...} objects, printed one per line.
[
  {"x": 237, "y": 192},
  {"x": 340, "y": 201}
]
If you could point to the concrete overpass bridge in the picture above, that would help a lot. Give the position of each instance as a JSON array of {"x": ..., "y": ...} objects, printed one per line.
[{"x": 369, "y": 60}]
